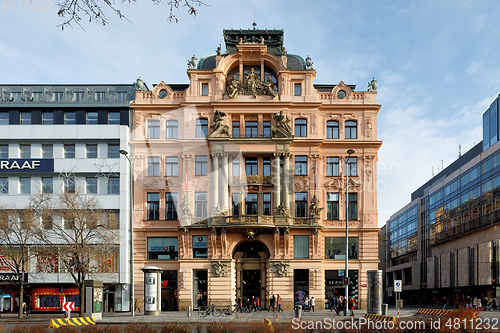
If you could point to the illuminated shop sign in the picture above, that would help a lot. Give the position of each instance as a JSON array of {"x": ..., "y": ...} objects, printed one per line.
[{"x": 27, "y": 165}]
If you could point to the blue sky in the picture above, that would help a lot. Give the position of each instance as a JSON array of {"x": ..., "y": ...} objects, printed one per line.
[{"x": 436, "y": 63}]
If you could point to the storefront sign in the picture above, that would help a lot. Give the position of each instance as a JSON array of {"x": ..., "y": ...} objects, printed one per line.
[
  {"x": 27, "y": 165},
  {"x": 200, "y": 242},
  {"x": 11, "y": 277}
]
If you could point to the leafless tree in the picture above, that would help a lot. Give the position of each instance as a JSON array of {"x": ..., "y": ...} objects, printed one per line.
[
  {"x": 17, "y": 238},
  {"x": 81, "y": 237},
  {"x": 72, "y": 11}
]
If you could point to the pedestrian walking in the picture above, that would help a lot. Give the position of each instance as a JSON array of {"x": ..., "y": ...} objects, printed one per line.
[
  {"x": 245, "y": 304},
  {"x": 25, "y": 309},
  {"x": 257, "y": 302},
  {"x": 272, "y": 303},
  {"x": 254, "y": 307},
  {"x": 344, "y": 305},
  {"x": 279, "y": 304},
  {"x": 332, "y": 303},
  {"x": 352, "y": 305},
  {"x": 312, "y": 303},
  {"x": 445, "y": 303}
]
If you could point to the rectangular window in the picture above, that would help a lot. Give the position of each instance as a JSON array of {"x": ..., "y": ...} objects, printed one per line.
[
  {"x": 153, "y": 206},
  {"x": 122, "y": 96},
  {"x": 25, "y": 118},
  {"x": 201, "y": 165},
  {"x": 300, "y": 128},
  {"x": 79, "y": 96},
  {"x": 25, "y": 185},
  {"x": 236, "y": 204},
  {"x": 301, "y": 165},
  {"x": 171, "y": 200},
  {"x": 204, "y": 89},
  {"x": 251, "y": 129},
  {"x": 113, "y": 151},
  {"x": 47, "y": 185},
  {"x": 113, "y": 185},
  {"x": 25, "y": 151},
  {"x": 267, "y": 166},
  {"x": 332, "y": 129},
  {"x": 236, "y": 129},
  {"x": 91, "y": 185},
  {"x": 47, "y": 151},
  {"x": 153, "y": 129},
  {"x": 352, "y": 168},
  {"x": 251, "y": 166},
  {"x": 236, "y": 167},
  {"x": 353, "y": 206},
  {"x": 301, "y": 204},
  {"x": 4, "y": 185},
  {"x": 172, "y": 129},
  {"x": 301, "y": 246},
  {"x": 163, "y": 248},
  {"x": 69, "y": 185},
  {"x": 200, "y": 204},
  {"x": 200, "y": 246},
  {"x": 114, "y": 118},
  {"x": 201, "y": 127},
  {"x": 47, "y": 118},
  {"x": 100, "y": 96},
  {"x": 332, "y": 206},
  {"x": 335, "y": 248},
  {"x": 91, "y": 150},
  {"x": 70, "y": 118},
  {"x": 351, "y": 130},
  {"x": 251, "y": 204},
  {"x": 69, "y": 151},
  {"x": 297, "y": 89},
  {"x": 153, "y": 166},
  {"x": 47, "y": 222},
  {"x": 267, "y": 129},
  {"x": 266, "y": 204},
  {"x": 4, "y": 118},
  {"x": 57, "y": 96},
  {"x": 332, "y": 166},
  {"x": 4, "y": 151},
  {"x": 92, "y": 118},
  {"x": 171, "y": 166}
]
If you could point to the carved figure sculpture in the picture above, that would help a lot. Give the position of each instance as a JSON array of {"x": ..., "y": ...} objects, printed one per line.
[
  {"x": 193, "y": 62},
  {"x": 186, "y": 212},
  {"x": 281, "y": 269},
  {"x": 251, "y": 82},
  {"x": 251, "y": 85},
  {"x": 218, "y": 269},
  {"x": 219, "y": 129},
  {"x": 233, "y": 87},
  {"x": 217, "y": 51},
  {"x": 309, "y": 63},
  {"x": 282, "y": 124},
  {"x": 372, "y": 86},
  {"x": 314, "y": 209},
  {"x": 281, "y": 209}
]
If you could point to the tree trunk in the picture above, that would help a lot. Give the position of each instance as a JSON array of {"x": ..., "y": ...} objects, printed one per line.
[
  {"x": 21, "y": 299},
  {"x": 82, "y": 300}
]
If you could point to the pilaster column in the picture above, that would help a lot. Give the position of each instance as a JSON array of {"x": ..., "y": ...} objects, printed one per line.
[
  {"x": 214, "y": 182},
  {"x": 277, "y": 180},
  {"x": 286, "y": 180},
  {"x": 223, "y": 182}
]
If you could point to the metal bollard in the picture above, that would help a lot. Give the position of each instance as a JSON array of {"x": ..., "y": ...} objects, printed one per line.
[
  {"x": 384, "y": 309},
  {"x": 298, "y": 311},
  {"x": 189, "y": 311}
]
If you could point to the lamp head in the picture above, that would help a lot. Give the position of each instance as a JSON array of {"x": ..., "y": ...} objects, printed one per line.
[
  {"x": 123, "y": 152},
  {"x": 350, "y": 151}
]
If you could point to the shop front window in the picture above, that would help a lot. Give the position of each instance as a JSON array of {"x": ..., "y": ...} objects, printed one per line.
[
  {"x": 169, "y": 292},
  {"x": 300, "y": 285},
  {"x": 200, "y": 297},
  {"x": 334, "y": 284},
  {"x": 200, "y": 246},
  {"x": 162, "y": 248}
]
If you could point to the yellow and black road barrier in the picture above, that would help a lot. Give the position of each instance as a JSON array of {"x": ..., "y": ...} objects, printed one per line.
[
  {"x": 437, "y": 312},
  {"x": 78, "y": 321},
  {"x": 374, "y": 317}
]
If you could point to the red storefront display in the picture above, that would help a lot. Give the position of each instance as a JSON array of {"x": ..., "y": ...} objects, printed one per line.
[{"x": 50, "y": 298}]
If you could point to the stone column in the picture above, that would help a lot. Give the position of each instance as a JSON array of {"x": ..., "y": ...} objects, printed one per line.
[
  {"x": 224, "y": 178},
  {"x": 286, "y": 180},
  {"x": 277, "y": 180},
  {"x": 214, "y": 197},
  {"x": 263, "y": 282},
  {"x": 238, "y": 279}
]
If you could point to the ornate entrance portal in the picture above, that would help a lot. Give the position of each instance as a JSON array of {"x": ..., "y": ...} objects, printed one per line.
[{"x": 251, "y": 259}]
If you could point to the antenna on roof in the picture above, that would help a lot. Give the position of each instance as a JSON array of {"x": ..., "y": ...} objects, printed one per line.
[
  {"x": 254, "y": 24},
  {"x": 433, "y": 171},
  {"x": 459, "y": 151},
  {"x": 442, "y": 164}
]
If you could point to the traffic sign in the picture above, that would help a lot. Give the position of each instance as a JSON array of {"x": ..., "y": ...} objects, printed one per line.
[
  {"x": 398, "y": 286},
  {"x": 69, "y": 306},
  {"x": 345, "y": 280}
]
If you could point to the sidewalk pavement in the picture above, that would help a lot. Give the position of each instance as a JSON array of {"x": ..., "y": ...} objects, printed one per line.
[{"x": 181, "y": 316}]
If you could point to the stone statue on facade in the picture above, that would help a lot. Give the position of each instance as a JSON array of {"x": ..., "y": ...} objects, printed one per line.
[
  {"x": 233, "y": 87},
  {"x": 139, "y": 84},
  {"x": 219, "y": 129},
  {"x": 251, "y": 82},
  {"x": 281, "y": 269},
  {"x": 282, "y": 124},
  {"x": 251, "y": 85},
  {"x": 314, "y": 209},
  {"x": 193, "y": 62},
  {"x": 218, "y": 211},
  {"x": 281, "y": 210},
  {"x": 217, "y": 51},
  {"x": 372, "y": 86},
  {"x": 309, "y": 63}
]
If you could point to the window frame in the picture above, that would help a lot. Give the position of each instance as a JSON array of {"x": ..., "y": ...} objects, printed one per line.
[
  {"x": 332, "y": 127},
  {"x": 69, "y": 118},
  {"x": 201, "y": 165},
  {"x": 301, "y": 205},
  {"x": 153, "y": 130},
  {"x": 171, "y": 205},
  {"x": 113, "y": 150},
  {"x": 89, "y": 152},
  {"x": 252, "y": 206},
  {"x": 47, "y": 120},
  {"x": 332, "y": 166},
  {"x": 171, "y": 167},
  {"x": 153, "y": 166},
  {"x": 300, "y": 240},
  {"x": 172, "y": 129},
  {"x": 45, "y": 152},
  {"x": 153, "y": 206},
  {"x": 90, "y": 119},
  {"x": 113, "y": 185},
  {"x": 91, "y": 188},
  {"x": 25, "y": 153},
  {"x": 332, "y": 206},
  {"x": 47, "y": 186},
  {"x": 68, "y": 153},
  {"x": 300, "y": 126},
  {"x": 351, "y": 129},
  {"x": 201, "y": 127},
  {"x": 301, "y": 166},
  {"x": 200, "y": 204}
]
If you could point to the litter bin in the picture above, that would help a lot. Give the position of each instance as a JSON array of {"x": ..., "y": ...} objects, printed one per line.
[
  {"x": 298, "y": 311},
  {"x": 189, "y": 311},
  {"x": 384, "y": 309}
]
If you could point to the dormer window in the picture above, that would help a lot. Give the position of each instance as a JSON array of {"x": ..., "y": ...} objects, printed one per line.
[{"x": 204, "y": 89}]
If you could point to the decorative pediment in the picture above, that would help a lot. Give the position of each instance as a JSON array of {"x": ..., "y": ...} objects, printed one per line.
[
  {"x": 155, "y": 184},
  {"x": 342, "y": 87},
  {"x": 168, "y": 92}
]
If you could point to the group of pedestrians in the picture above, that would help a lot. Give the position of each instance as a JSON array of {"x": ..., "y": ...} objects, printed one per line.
[
  {"x": 341, "y": 304},
  {"x": 248, "y": 305},
  {"x": 275, "y": 303}
]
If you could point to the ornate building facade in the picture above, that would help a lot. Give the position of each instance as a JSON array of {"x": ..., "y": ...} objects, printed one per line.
[{"x": 239, "y": 179}]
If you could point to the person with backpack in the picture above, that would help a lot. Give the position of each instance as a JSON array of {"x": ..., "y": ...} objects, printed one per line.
[{"x": 344, "y": 305}]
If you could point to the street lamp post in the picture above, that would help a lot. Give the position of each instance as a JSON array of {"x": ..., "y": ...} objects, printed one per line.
[
  {"x": 346, "y": 274},
  {"x": 132, "y": 304}
]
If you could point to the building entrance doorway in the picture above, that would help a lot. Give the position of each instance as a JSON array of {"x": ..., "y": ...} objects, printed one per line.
[{"x": 251, "y": 283}]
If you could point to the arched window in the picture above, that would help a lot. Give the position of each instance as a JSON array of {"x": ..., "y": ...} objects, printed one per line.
[
  {"x": 201, "y": 127},
  {"x": 153, "y": 129},
  {"x": 301, "y": 128},
  {"x": 172, "y": 129},
  {"x": 351, "y": 130},
  {"x": 332, "y": 129}
]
